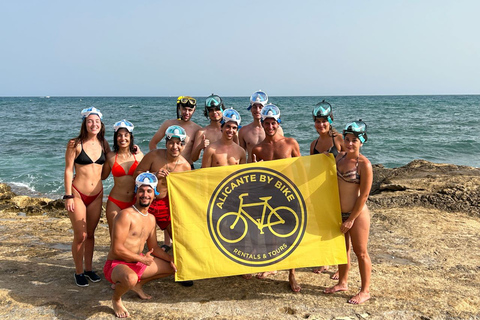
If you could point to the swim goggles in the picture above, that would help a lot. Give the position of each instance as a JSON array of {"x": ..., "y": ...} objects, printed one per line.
[
  {"x": 258, "y": 97},
  {"x": 92, "y": 110},
  {"x": 176, "y": 132},
  {"x": 358, "y": 128},
  {"x": 123, "y": 124},
  {"x": 323, "y": 110},
  {"x": 187, "y": 100}
]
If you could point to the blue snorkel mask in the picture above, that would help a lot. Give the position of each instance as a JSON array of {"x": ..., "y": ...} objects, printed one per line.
[
  {"x": 258, "y": 97},
  {"x": 147, "y": 178},
  {"x": 357, "y": 128},
  {"x": 323, "y": 110}
]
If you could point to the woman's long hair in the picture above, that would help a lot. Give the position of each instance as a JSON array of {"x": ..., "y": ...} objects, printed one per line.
[
  {"x": 115, "y": 143},
  {"x": 84, "y": 134}
]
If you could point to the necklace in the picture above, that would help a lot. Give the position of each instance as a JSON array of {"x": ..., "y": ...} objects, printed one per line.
[
  {"x": 143, "y": 214},
  {"x": 166, "y": 166}
]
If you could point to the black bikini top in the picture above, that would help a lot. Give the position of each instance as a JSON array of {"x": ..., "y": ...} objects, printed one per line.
[
  {"x": 333, "y": 149},
  {"x": 83, "y": 158}
]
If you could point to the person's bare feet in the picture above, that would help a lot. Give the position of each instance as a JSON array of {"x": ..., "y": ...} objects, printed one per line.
[
  {"x": 119, "y": 309},
  {"x": 263, "y": 275},
  {"x": 320, "y": 269},
  {"x": 336, "y": 288},
  {"x": 247, "y": 276},
  {"x": 335, "y": 276},
  {"x": 141, "y": 294},
  {"x": 359, "y": 298},
  {"x": 293, "y": 283}
]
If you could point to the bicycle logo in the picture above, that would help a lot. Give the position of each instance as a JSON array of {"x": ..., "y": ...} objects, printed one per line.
[
  {"x": 276, "y": 217},
  {"x": 256, "y": 216}
]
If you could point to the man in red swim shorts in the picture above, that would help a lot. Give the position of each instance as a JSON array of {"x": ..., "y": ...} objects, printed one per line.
[
  {"x": 126, "y": 266},
  {"x": 162, "y": 162}
]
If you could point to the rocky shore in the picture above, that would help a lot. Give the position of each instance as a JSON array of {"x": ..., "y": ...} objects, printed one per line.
[{"x": 424, "y": 246}]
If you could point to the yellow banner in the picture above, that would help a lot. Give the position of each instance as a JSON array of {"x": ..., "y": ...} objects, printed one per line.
[{"x": 256, "y": 217}]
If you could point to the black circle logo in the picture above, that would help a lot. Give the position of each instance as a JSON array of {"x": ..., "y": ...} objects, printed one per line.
[{"x": 256, "y": 216}]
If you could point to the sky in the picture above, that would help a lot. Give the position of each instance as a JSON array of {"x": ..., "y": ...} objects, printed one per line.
[{"x": 233, "y": 48}]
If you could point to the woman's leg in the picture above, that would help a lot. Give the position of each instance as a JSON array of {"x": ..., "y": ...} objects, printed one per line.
[
  {"x": 79, "y": 226},
  {"x": 94, "y": 211},
  {"x": 359, "y": 234}
]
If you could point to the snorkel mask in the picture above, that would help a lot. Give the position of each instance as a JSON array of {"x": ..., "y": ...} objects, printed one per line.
[
  {"x": 258, "y": 97},
  {"x": 323, "y": 110},
  {"x": 357, "y": 128}
]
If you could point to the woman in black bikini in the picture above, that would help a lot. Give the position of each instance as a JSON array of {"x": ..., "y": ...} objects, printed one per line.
[
  {"x": 84, "y": 191},
  {"x": 328, "y": 141},
  {"x": 354, "y": 174}
]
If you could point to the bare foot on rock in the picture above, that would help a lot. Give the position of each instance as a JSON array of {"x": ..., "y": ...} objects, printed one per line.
[
  {"x": 264, "y": 275},
  {"x": 335, "y": 276},
  {"x": 293, "y": 283},
  {"x": 336, "y": 288},
  {"x": 141, "y": 294},
  {"x": 359, "y": 298},
  {"x": 119, "y": 309}
]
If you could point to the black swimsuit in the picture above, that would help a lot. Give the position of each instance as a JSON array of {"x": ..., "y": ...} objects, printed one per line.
[
  {"x": 333, "y": 149},
  {"x": 83, "y": 158}
]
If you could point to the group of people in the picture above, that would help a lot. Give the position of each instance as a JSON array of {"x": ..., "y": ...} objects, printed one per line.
[{"x": 138, "y": 201}]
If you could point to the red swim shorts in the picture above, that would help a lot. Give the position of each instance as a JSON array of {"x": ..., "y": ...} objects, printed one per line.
[
  {"x": 137, "y": 267},
  {"x": 161, "y": 211}
]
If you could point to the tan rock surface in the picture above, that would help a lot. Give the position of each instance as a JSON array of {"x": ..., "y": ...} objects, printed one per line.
[{"x": 424, "y": 247}]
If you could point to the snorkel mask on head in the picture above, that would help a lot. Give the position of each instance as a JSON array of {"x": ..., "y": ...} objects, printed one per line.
[
  {"x": 123, "y": 124},
  {"x": 258, "y": 97},
  {"x": 175, "y": 132},
  {"x": 92, "y": 110},
  {"x": 231, "y": 115},
  {"x": 213, "y": 101},
  {"x": 185, "y": 101},
  {"x": 270, "y": 111},
  {"x": 146, "y": 179},
  {"x": 357, "y": 128},
  {"x": 323, "y": 110}
]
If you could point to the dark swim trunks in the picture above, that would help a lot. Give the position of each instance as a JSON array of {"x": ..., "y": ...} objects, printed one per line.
[
  {"x": 137, "y": 267},
  {"x": 345, "y": 216},
  {"x": 160, "y": 209}
]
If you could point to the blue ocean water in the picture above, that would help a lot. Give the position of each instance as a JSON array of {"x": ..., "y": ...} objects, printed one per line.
[{"x": 35, "y": 130}]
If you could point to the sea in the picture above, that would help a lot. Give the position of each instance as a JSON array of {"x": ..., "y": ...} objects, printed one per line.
[{"x": 35, "y": 130}]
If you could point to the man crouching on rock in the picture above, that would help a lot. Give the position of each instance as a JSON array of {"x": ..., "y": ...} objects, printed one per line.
[{"x": 126, "y": 266}]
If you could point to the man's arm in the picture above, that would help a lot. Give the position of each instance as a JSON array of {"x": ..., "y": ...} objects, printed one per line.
[
  {"x": 295, "y": 148},
  {"x": 199, "y": 143},
  {"x": 153, "y": 244},
  {"x": 145, "y": 164},
  {"x": 241, "y": 138},
  {"x": 207, "y": 157},
  {"x": 158, "y": 136}
]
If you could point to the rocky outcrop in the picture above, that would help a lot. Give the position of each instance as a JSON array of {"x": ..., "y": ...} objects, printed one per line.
[{"x": 426, "y": 184}]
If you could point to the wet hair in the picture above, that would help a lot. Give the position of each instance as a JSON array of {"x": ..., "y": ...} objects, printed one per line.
[
  {"x": 115, "y": 143},
  {"x": 84, "y": 134}
]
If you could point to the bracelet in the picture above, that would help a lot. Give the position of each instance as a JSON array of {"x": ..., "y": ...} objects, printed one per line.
[{"x": 67, "y": 196}]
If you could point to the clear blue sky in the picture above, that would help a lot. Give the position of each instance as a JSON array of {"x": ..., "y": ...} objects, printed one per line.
[{"x": 232, "y": 48}]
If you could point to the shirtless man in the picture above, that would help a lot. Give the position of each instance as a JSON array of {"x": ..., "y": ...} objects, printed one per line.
[
  {"x": 275, "y": 146},
  {"x": 205, "y": 136},
  {"x": 185, "y": 109},
  {"x": 126, "y": 266},
  {"x": 161, "y": 162},
  {"x": 252, "y": 134},
  {"x": 225, "y": 151}
]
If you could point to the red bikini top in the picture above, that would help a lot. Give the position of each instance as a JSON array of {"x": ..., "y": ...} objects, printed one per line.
[{"x": 118, "y": 171}]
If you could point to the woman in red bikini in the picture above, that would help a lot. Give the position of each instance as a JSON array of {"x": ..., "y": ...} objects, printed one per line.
[
  {"x": 354, "y": 175},
  {"x": 85, "y": 156},
  {"x": 122, "y": 162}
]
